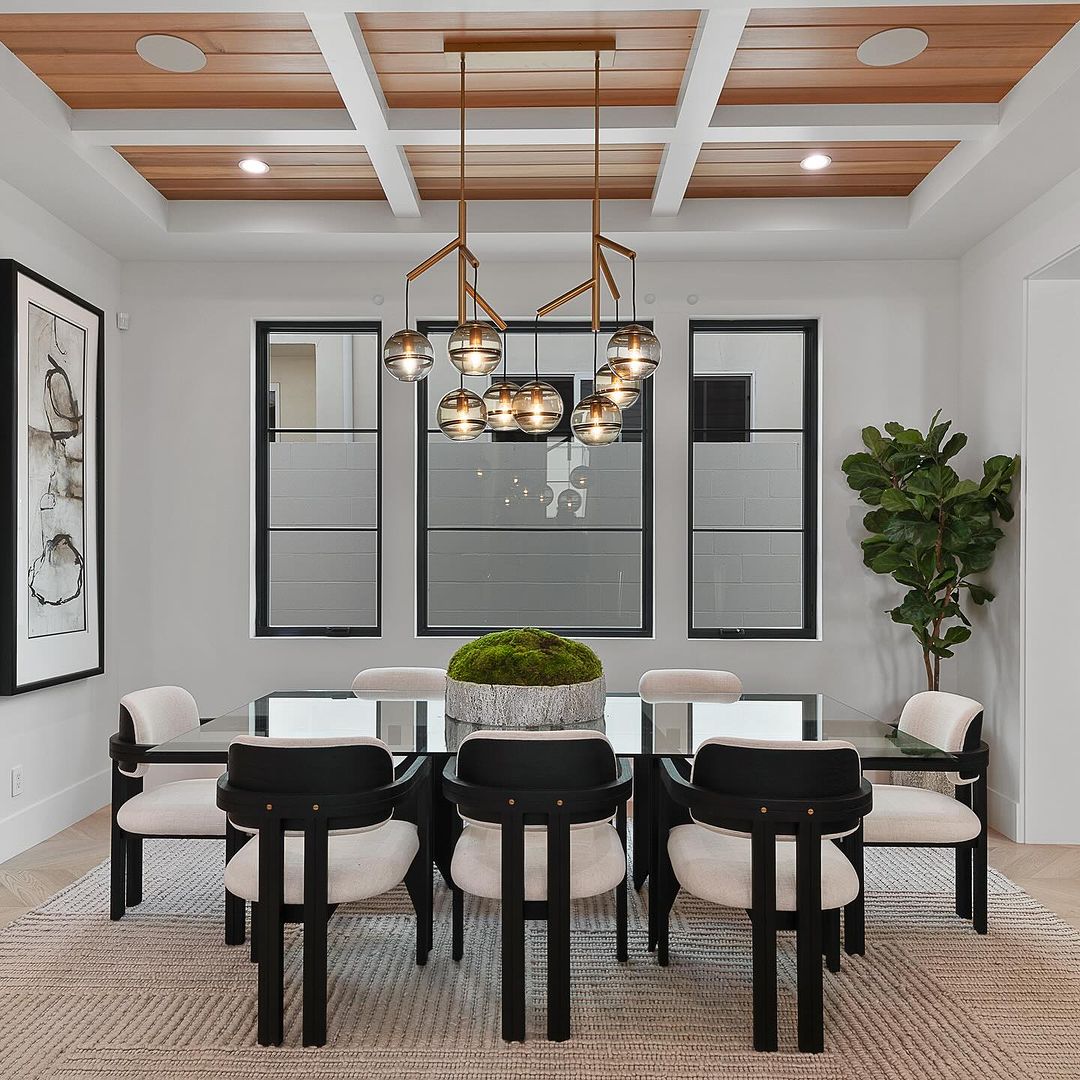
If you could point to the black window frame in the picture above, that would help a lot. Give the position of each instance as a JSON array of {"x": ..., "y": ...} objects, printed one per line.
[
  {"x": 523, "y": 327},
  {"x": 811, "y": 480},
  {"x": 263, "y": 529}
]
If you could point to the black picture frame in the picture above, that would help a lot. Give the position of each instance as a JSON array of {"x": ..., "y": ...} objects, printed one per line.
[{"x": 14, "y": 582}]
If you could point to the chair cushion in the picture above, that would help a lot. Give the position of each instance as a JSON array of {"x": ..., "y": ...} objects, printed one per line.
[
  {"x": 359, "y": 865},
  {"x": 597, "y": 861},
  {"x": 716, "y": 867},
  {"x": 182, "y": 808},
  {"x": 911, "y": 815}
]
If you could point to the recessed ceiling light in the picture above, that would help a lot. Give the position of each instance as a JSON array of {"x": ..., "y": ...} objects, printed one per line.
[
  {"x": 815, "y": 162},
  {"x": 254, "y": 166},
  {"x": 890, "y": 47},
  {"x": 170, "y": 53}
]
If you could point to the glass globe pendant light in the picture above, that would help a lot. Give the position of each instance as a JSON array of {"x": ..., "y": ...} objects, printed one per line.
[
  {"x": 408, "y": 355},
  {"x": 538, "y": 406},
  {"x": 619, "y": 391},
  {"x": 596, "y": 419},
  {"x": 499, "y": 401},
  {"x": 462, "y": 415},
  {"x": 474, "y": 348},
  {"x": 634, "y": 351}
]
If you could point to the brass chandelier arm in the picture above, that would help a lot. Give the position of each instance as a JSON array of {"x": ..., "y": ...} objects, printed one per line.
[
  {"x": 601, "y": 270},
  {"x": 460, "y": 243},
  {"x": 488, "y": 310}
]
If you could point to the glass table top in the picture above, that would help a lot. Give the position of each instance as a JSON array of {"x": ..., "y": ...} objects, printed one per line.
[{"x": 409, "y": 725}]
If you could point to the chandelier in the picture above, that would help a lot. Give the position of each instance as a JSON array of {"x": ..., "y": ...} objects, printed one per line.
[{"x": 475, "y": 348}]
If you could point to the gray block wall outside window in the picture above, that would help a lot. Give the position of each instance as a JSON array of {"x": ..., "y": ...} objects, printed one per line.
[
  {"x": 538, "y": 531},
  {"x": 317, "y": 478}
]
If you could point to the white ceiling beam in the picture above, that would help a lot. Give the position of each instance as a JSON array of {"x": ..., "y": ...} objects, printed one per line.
[
  {"x": 330, "y": 7},
  {"x": 214, "y": 127},
  {"x": 524, "y": 127},
  {"x": 851, "y": 123},
  {"x": 717, "y": 38},
  {"x": 345, "y": 52}
]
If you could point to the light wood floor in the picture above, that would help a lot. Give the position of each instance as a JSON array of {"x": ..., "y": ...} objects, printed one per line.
[{"x": 1050, "y": 873}]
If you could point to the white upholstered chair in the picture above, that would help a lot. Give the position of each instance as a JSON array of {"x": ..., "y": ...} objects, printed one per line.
[
  {"x": 688, "y": 684},
  {"x": 763, "y": 819},
  {"x": 155, "y": 800},
  {"x": 658, "y": 687},
  {"x": 556, "y": 801},
  {"x": 334, "y": 825},
  {"x": 405, "y": 682},
  {"x": 918, "y": 817}
]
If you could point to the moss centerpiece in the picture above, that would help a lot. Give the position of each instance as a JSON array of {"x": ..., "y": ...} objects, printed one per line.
[{"x": 525, "y": 678}]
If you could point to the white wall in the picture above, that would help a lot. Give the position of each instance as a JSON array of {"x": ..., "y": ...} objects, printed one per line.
[
  {"x": 59, "y": 735},
  {"x": 889, "y": 344},
  {"x": 1000, "y": 415}
]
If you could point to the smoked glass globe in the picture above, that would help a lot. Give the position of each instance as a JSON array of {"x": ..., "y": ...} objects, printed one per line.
[
  {"x": 633, "y": 352},
  {"x": 624, "y": 392},
  {"x": 538, "y": 407},
  {"x": 408, "y": 355},
  {"x": 569, "y": 501},
  {"x": 499, "y": 402},
  {"x": 475, "y": 348},
  {"x": 462, "y": 415},
  {"x": 596, "y": 421},
  {"x": 580, "y": 477}
]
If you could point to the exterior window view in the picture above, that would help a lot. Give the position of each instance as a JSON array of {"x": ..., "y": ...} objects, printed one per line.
[{"x": 537, "y": 540}]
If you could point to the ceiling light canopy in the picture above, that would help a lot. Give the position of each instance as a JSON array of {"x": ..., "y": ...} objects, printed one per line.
[
  {"x": 815, "y": 162},
  {"x": 169, "y": 53},
  {"x": 253, "y": 166},
  {"x": 892, "y": 47}
]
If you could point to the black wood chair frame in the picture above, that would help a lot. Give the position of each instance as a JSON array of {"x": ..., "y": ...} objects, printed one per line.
[
  {"x": 972, "y": 862},
  {"x": 512, "y": 810},
  {"x": 314, "y": 815},
  {"x": 126, "y": 849},
  {"x": 808, "y": 820}
]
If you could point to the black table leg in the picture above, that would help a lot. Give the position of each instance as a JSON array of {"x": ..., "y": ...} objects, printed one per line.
[
  {"x": 644, "y": 777},
  {"x": 980, "y": 870}
]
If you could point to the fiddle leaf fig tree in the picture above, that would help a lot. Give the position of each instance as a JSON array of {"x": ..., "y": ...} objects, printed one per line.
[{"x": 928, "y": 529}]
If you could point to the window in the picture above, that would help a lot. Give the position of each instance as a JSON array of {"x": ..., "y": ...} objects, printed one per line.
[
  {"x": 753, "y": 478},
  {"x": 317, "y": 479},
  {"x": 534, "y": 530}
]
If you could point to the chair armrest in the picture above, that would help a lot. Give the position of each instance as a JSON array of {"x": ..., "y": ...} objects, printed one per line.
[{"x": 127, "y": 753}]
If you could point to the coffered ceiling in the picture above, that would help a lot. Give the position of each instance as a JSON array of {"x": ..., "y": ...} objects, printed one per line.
[{"x": 705, "y": 107}]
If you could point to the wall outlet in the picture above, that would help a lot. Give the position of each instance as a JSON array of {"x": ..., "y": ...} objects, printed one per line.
[{"x": 16, "y": 781}]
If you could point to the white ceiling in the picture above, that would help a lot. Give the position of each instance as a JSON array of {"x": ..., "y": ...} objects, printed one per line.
[{"x": 1008, "y": 155}]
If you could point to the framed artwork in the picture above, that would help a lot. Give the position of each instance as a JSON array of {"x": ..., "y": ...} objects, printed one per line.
[{"x": 52, "y": 483}]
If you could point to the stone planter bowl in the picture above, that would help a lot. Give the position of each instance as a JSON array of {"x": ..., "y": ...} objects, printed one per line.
[{"x": 493, "y": 706}]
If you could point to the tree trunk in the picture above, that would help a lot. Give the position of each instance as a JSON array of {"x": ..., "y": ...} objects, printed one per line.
[{"x": 931, "y": 671}]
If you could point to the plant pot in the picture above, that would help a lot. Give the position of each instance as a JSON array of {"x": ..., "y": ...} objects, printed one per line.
[{"x": 492, "y": 706}]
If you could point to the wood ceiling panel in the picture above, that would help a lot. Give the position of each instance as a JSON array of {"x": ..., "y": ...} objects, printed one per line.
[
  {"x": 535, "y": 172},
  {"x": 808, "y": 56},
  {"x": 772, "y": 170},
  {"x": 253, "y": 60},
  {"x": 296, "y": 172},
  {"x": 652, "y": 48}
]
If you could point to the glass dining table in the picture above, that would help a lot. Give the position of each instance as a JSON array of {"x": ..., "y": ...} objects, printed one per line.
[{"x": 642, "y": 731}]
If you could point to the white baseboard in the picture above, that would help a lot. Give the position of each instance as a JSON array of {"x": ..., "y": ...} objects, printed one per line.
[
  {"x": 1004, "y": 814},
  {"x": 38, "y": 821}
]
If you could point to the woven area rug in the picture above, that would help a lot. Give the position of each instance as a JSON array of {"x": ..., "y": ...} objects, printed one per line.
[{"x": 159, "y": 996}]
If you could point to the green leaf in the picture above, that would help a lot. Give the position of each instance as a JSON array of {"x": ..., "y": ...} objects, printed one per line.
[
  {"x": 960, "y": 490},
  {"x": 918, "y": 533},
  {"x": 872, "y": 440},
  {"x": 894, "y": 428},
  {"x": 910, "y": 437},
  {"x": 933, "y": 481},
  {"x": 979, "y": 593},
  {"x": 888, "y": 561},
  {"x": 956, "y": 443},
  {"x": 957, "y": 635},
  {"x": 893, "y": 499}
]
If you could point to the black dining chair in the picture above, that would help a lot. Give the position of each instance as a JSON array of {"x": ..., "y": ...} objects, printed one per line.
[
  {"x": 542, "y": 822},
  {"x": 906, "y": 816},
  {"x": 333, "y": 825},
  {"x": 763, "y": 819}
]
